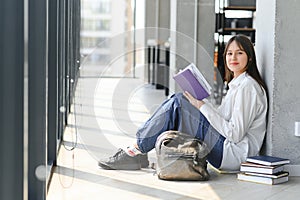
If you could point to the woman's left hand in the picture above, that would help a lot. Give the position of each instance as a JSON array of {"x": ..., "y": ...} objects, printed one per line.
[{"x": 195, "y": 102}]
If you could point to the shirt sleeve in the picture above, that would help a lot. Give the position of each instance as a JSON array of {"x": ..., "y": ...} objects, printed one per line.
[{"x": 243, "y": 114}]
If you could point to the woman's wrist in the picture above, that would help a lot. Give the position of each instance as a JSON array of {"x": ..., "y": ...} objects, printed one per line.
[{"x": 200, "y": 104}]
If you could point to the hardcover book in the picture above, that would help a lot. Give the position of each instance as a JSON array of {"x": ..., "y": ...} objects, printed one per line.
[
  {"x": 276, "y": 175},
  {"x": 268, "y": 160},
  {"x": 262, "y": 179},
  {"x": 190, "y": 79},
  {"x": 258, "y": 168}
]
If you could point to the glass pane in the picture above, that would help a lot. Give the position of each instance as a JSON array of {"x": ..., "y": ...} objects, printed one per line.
[{"x": 107, "y": 38}]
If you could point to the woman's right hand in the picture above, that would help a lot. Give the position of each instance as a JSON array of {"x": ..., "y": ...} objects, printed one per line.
[{"x": 195, "y": 102}]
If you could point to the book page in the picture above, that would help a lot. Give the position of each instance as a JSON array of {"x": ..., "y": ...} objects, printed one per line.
[{"x": 200, "y": 77}]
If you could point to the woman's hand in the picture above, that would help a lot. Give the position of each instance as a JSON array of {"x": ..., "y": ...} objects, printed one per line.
[{"x": 195, "y": 102}]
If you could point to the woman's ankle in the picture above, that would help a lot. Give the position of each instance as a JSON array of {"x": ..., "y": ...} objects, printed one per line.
[{"x": 133, "y": 150}]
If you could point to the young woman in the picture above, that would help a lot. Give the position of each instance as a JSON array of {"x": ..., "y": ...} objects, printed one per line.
[{"x": 233, "y": 131}]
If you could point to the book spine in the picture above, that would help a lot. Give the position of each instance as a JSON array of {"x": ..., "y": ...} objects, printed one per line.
[{"x": 258, "y": 170}]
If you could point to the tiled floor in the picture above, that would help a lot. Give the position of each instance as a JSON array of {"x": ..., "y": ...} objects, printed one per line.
[{"x": 107, "y": 113}]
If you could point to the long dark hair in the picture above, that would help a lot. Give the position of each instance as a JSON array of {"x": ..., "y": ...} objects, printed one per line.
[{"x": 246, "y": 45}]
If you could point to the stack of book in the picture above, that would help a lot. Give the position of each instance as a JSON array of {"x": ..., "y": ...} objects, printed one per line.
[{"x": 264, "y": 169}]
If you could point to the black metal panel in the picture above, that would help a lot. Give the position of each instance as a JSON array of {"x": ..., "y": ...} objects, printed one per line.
[
  {"x": 31, "y": 95},
  {"x": 77, "y": 26},
  {"x": 12, "y": 99},
  {"x": 72, "y": 50},
  {"x": 67, "y": 32},
  {"x": 53, "y": 82},
  {"x": 61, "y": 66},
  {"x": 37, "y": 99},
  {"x": 74, "y": 46}
]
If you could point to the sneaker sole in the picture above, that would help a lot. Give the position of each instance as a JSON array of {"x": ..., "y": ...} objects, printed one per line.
[{"x": 120, "y": 167}]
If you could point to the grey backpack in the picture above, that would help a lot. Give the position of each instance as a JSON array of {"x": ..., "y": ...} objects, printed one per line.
[{"x": 181, "y": 157}]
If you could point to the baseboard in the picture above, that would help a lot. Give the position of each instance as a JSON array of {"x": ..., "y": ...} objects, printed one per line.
[{"x": 294, "y": 170}]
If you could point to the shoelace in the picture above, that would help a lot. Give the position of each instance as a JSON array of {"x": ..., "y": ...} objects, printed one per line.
[{"x": 114, "y": 157}]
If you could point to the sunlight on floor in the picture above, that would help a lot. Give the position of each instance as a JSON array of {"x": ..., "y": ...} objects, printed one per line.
[{"x": 105, "y": 119}]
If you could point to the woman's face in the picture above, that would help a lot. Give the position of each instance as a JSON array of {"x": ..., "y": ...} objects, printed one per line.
[{"x": 236, "y": 59}]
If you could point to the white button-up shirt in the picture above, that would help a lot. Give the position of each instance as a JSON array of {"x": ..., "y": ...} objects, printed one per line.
[{"x": 241, "y": 119}]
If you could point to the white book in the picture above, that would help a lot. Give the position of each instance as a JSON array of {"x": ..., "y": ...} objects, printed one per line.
[
  {"x": 258, "y": 168},
  {"x": 276, "y": 175},
  {"x": 262, "y": 179}
]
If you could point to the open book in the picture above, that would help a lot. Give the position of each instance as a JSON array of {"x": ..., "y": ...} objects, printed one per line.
[{"x": 191, "y": 80}]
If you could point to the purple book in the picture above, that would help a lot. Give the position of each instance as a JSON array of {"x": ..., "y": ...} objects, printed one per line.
[{"x": 191, "y": 80}]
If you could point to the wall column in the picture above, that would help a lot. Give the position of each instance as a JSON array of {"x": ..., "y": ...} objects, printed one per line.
[
  {"x": 277, "y": 36},
  {"x": 192, "y": 37}
]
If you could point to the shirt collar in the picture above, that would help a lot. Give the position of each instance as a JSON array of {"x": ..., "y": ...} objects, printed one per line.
[{"x": 234, "y": 83}]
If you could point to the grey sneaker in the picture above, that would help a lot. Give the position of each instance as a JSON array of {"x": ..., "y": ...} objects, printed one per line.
[
  {"x": 143, "y": 160},
  {"x": 122, "y": 161}
]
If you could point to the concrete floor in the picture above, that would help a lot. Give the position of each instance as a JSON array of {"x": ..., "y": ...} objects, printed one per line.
[{"x": 107, "y": 114}]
